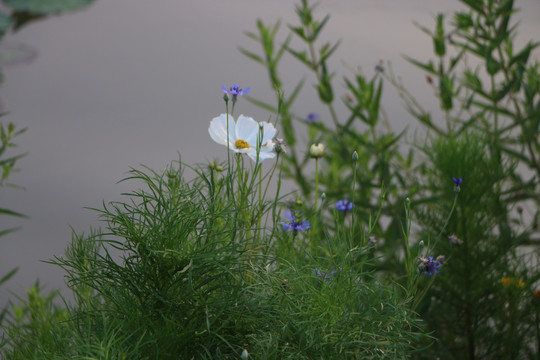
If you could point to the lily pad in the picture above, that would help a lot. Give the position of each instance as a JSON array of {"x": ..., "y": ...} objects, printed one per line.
[{"x": 47, "y": 6}]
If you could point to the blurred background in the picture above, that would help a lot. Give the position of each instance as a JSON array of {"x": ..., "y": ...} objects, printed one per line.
[{"x": 130, "y": 82}]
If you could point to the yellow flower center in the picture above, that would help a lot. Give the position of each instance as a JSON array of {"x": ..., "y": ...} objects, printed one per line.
[{"x": 241, "y": 144}]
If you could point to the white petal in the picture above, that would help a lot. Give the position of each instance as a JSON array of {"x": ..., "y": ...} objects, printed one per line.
[
  {"x": 218, "y": 130},
  {"x": 247, "y": 129},
  {"x": 269, "y": 131},
  {"x": 268, "y": 146},
  {"x": 263, "y": 155}
]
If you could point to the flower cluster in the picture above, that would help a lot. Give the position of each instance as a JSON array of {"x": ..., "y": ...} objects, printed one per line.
[
  {"x": 294, "y": 225},
  {"x": 431, "y": 266}
]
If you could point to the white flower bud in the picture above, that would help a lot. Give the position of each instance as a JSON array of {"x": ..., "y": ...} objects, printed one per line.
[
  {"x": 316, "y": 150},
  {"x": 244, "y": 355}
]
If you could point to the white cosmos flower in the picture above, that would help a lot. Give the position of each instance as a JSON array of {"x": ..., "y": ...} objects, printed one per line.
[{"x": 243, "y": 136}]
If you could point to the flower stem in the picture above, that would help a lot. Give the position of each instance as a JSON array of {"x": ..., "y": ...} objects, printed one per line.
[
  {"x": 316, "y": 183},
  {"x": 353, "y": 215},
  {"x": 230, "y": 185},
  {"x": 447, "y": 219}
]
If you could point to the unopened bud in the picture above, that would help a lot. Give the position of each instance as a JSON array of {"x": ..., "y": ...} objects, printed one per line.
[
  {"x": 316, "y": 150},
  {"x": 279, "y": 145},
  {"x": 244, "y": 355},
  {"x": 355, "y": 156},
  {"x": 215, "y": 167},
  {"x": 421, "y": 243}
]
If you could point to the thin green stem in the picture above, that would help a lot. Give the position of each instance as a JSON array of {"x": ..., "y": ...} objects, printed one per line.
[
  {"x": 353, "y": 195},
  {"x": 316, "y": 183},
  {"x": 447, "y": 221}
]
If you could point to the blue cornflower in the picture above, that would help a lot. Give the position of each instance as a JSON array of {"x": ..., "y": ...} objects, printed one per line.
[
  {"x": 344, "y": 205},
  {"x": 431, "y": 266},
  {"x": 457, "y": 181},
  {"x": 324, "y": 275},
  {"x": 294, "y": 225},
  {"x": 235, "y": 90},
  {"x": 312, "y": 117}
]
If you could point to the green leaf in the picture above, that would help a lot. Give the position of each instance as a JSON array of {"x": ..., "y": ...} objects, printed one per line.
[
  {"x": 504, "y": 12},
  {"x": 283, "y": 48},
  {"x": 47, "y": 6},
  {"x": 391, "y": 140},
  {"x": 523, "y": 56},
  {"x": 516, "y": 154},
  {"x": 463, "y": 21},
  {"x": 326, "y": 94},
  {"x": 472, "y": 81},
  {"x": 439, "y": 38},
  {"x": 8, "y": 231},
  {"x": 477, "y": 5},
  {"x": 288, "y": 130},
  {"x": 319, "y": 27},
  {"x": 298, "y": 31},
  {"x": 374, "y": 107},
  {"x": 491, "y": 108},
  {"x": 8, "y": 276},
  {"x": 429, "y": 67},
  {"x": 326, "y": 51},
  {"x": 5, "y": 23},
  {"x": 261, "y": 104},
  {"x": 11, "y": 160},
  {"x": 252, "y": 56},
  {"x": 501, "y": 93},
  {"x": 301, "y": 56},
  {"x": 492, "y": 65},
  {"x": 295, "y": 93},
  {"x": 423, "y": 28},
  {"x": 456, "y": 60},
  {"x": 446, "y": 88},
  {"x": 10, "y": 212},
  {"x": 23, "y": 18}
]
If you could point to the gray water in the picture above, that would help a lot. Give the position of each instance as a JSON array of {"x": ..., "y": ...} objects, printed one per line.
[{"x": 130, "y": 82}]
